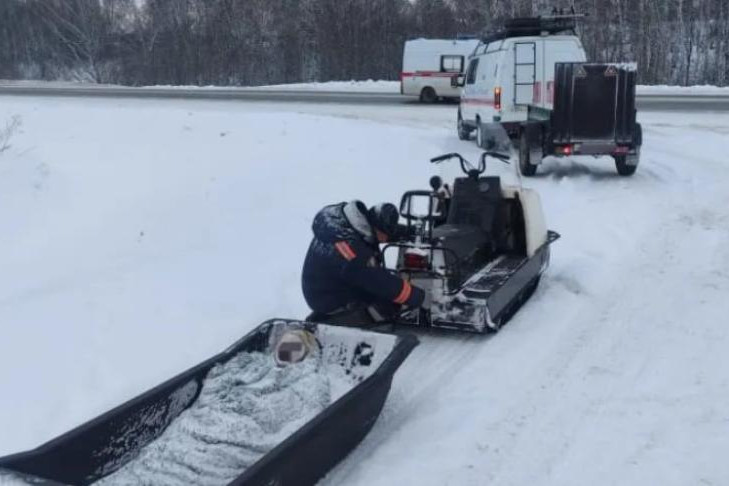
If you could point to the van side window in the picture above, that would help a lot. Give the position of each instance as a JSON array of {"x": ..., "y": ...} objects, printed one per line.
[
  {"x": 451, "y": 64},
  {"x": 472, "y": 68}
]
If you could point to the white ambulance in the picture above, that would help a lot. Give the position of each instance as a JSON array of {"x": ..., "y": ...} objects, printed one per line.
[{"x": 428, "y": 66}]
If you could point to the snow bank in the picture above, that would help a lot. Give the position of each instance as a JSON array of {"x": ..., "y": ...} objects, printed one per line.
[
  {"x": 368, "y": 86},
  {"x": 682, "y": 90},
  {"x": 53, "y": 84}
]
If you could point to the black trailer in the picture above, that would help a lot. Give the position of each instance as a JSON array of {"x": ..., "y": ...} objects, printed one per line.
[
  {"x": 593, "y": 114},
  {"x": 105, "y": 444}
]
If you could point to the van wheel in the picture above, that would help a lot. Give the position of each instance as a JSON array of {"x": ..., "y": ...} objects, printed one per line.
[
  {"x": 525, "y": 166},
  {"x": 464, "y": 133},
  {"x": 428, "y": 95},
  {"x": 626, "y": 164}
]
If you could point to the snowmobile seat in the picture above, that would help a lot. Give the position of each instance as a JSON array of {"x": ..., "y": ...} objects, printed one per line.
[
  {"x": 468, "y": 232},
  {"x": 472, "y": 214},
  {"x": 475, "y": 202}
]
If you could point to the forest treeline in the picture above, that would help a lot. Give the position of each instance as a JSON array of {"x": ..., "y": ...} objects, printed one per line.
[{"x": 253, "y": 42}]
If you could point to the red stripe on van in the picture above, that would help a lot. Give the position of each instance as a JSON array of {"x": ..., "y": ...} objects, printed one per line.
[
  {"x": 550, "y": 92},
  {"x": 477, "y": 101},
  {"x": 428, "y": 74}
]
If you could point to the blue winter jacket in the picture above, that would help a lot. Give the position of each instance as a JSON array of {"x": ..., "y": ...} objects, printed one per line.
[{"x": 341, "y": 268}]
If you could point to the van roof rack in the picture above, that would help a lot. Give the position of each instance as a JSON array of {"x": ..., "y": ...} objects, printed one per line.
[{"x": 531, "y": 26}]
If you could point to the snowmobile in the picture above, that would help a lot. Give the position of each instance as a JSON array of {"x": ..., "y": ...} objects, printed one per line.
[{"x": 479, "y": 250}]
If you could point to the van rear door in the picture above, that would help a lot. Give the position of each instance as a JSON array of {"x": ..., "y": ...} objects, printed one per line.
[
  {"x": 525, "y": 72},
  {"x": 557, "y": 49}
]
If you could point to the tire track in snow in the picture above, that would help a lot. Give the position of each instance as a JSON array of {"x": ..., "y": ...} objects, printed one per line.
[
  {"x": 539, "y": 416},
  {"x": 610, "y": 353}
]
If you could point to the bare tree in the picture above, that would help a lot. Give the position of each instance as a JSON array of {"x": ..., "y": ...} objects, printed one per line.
[
  {"x": 242, "y": 42},
  {"x": 81, "y": 33}
]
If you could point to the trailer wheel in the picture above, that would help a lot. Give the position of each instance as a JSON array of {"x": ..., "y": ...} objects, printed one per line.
[
  {"x": 525, "y": 166},
  {"x": 464, "y": 133},
  {"x": 626, "y": 164},
  {"x": 428, "y": 95}
]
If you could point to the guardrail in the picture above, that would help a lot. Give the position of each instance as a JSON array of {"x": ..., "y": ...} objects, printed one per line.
[
  {"x": 682, "y": 102},
  {"x": 227, "y": 94}
]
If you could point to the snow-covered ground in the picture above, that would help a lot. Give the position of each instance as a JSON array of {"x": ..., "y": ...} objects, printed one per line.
[{"x": 140, "y": 237}]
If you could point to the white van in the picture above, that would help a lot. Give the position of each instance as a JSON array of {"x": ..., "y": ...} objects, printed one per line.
[
  {"x": 510, "y": 71},
  {"x": 533, "y": 81},
  {"x": 428, "y": 65}
]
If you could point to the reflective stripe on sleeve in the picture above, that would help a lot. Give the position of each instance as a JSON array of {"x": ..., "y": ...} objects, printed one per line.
[
  {"x": 345, "y": 250},
  {"x": 404, "y": 294}
]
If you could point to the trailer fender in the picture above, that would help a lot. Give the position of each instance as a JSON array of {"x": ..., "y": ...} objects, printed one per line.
[
  {"x": 637, "y": 136},
  {"x": 535, "y": 139}
]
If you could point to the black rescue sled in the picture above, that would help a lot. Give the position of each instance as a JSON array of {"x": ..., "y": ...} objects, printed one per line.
[
  {"x": 478, "y": 251},
  {"x": 102, "y": 446}
]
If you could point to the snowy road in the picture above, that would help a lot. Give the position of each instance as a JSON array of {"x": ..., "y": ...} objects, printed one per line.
[
  {"x": 141, "y": 238},
  {"x": 374, "y": 93}
]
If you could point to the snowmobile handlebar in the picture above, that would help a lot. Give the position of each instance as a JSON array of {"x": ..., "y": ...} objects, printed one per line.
[
  {"x": 497, "y": 155},
  {"x": 467, "y": 167},
  {"x": 444, "y": 157}
]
